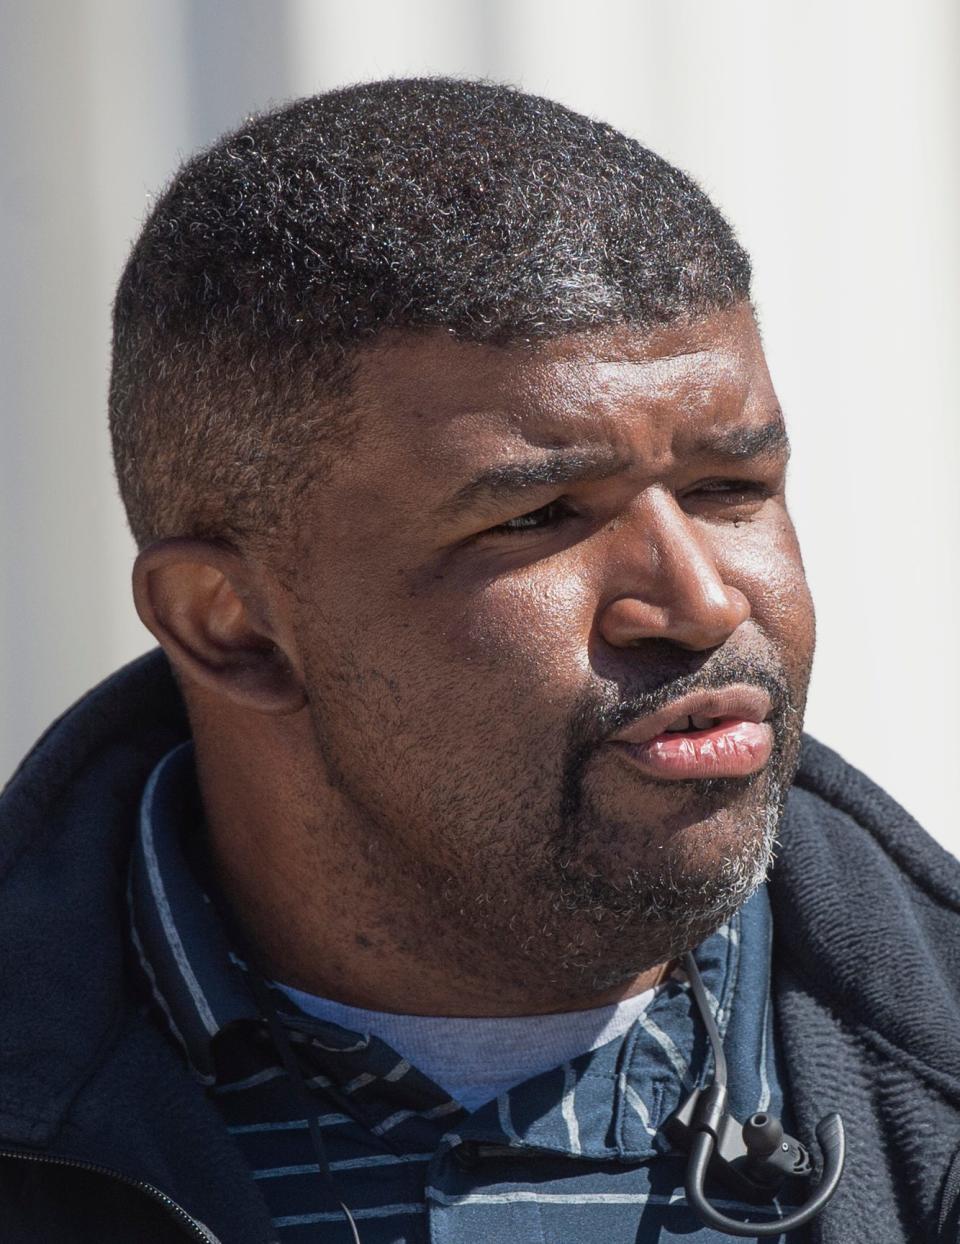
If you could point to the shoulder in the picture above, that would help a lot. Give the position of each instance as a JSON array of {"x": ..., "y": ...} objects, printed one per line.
[
  {"x": 93, "y": 760},
  {"x": 837, "y": 817},
  {"x": 866, "y": 912},
  {"x": 866, "y": 972}
]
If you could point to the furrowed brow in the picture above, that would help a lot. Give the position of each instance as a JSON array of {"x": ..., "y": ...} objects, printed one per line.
[
  {"x": 508, "y": 479},
  {"x": 743, "y": 443},
  {"x": 570, "y": 466}
]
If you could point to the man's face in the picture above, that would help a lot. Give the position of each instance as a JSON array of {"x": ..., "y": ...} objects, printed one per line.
[{"x": 471, "y": 647}]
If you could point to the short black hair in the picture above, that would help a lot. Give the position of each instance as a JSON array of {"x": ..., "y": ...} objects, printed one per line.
[{"x": 277, "y": 254}]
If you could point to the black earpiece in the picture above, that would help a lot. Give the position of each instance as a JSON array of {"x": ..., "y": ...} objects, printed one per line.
[{"x": 753, "y": 1159}]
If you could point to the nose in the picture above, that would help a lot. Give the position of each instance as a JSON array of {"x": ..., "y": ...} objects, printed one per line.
[{"x": 667, "y": 583}]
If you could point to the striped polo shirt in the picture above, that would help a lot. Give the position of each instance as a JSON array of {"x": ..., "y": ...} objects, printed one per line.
[{"x": 570, "y": 1154}]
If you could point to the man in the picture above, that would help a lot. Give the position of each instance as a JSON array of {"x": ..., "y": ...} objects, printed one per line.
[{"x": 361, "y": 911}]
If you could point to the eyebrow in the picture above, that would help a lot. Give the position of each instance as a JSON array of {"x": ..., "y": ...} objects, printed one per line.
[{"x": 580, "y": 465}]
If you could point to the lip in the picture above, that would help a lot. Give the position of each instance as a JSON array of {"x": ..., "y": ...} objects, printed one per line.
[
  {"x": 737, "y": 745},
  {"x": 740, "y": 701}
]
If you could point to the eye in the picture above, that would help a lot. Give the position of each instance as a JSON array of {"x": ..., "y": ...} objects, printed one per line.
[
  {"x": 733, "y": 492},
  {"x": 549, "y": 515}
]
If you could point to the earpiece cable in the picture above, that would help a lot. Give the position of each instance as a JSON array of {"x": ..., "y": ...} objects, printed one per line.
[{"x": 703, "y": 1005}]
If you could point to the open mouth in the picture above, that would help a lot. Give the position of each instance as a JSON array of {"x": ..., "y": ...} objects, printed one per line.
[
  {"x": 702, "y": 747},
  {"x": 691, "y": 724}
]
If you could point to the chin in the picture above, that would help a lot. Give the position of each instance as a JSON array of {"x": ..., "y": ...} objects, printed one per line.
[
  {"x": 636, "y": 898},
  {"x": 606, "y": 941}
]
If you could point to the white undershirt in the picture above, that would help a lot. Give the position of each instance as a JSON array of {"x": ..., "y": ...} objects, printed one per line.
[{"x": 478, "y": 1059}]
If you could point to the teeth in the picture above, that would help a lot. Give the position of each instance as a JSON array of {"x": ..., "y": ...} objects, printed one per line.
[{"x": 690, "y": 723}]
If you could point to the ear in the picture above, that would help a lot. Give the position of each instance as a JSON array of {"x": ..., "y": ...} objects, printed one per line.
[{"x": 211, "y": 610}]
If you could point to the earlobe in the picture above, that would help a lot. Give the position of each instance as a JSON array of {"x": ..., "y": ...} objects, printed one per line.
[{"x": 206, "y": 608}]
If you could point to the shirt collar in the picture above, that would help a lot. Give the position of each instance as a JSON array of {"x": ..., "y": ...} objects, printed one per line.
[
  {"x": 198, "y": 981},
  {"x": 612, "y": 1102},
  {"x": 176, "y": 931}
]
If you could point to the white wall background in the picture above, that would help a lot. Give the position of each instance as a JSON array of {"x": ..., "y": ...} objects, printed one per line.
[{"x": 829, "y": 130}]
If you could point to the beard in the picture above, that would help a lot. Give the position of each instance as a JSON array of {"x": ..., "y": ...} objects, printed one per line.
[
  {"x": 719, "y": 846},
  {"x": 607, "y": 897},
  {"x": 555, "y": 883},
  {"x": 616, "y": 928}
]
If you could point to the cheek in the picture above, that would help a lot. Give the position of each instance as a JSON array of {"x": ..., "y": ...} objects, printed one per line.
[
  {"x": 489, "y": 669},
  {"x": 767, "y": 567},
  {"x": 445, "y": 719},
  {"x": 527, "y": 631}
]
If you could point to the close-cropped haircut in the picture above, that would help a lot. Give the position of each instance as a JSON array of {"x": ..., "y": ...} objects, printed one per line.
[{"x": 273, "y": 258}]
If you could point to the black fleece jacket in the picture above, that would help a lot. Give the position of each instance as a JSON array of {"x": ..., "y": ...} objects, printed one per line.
[{"x": 105, "y": 1137}]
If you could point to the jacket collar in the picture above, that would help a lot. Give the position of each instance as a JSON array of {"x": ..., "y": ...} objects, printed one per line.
[
  {"x": 865, "y": 907},
  {"x": 66, "y": 819}
]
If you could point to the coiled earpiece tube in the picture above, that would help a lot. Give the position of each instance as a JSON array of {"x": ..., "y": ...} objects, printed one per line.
[
  {"x": 833, "y": 1145},
  {"x": 706, "y": 1126}
]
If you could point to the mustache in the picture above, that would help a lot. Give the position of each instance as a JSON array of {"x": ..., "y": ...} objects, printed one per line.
[{"x": 593, "y": 723}]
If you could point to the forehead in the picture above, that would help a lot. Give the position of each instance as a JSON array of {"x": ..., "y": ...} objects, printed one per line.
[{"x": 435, "y": 402}]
